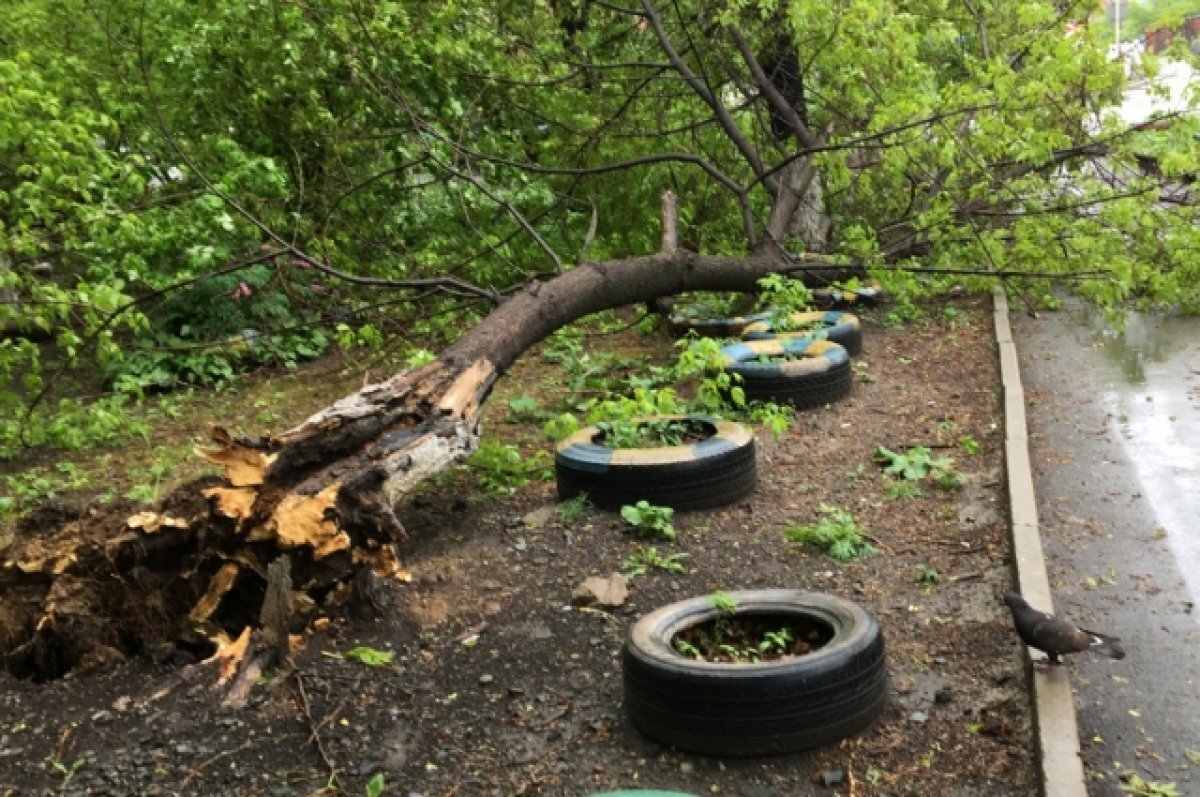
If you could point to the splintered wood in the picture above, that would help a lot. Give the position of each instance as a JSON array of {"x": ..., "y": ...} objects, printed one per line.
[{"x": 244, "y": 466}]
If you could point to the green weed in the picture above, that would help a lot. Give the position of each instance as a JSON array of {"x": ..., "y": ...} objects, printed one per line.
[
  {"x": 928, "y": 576},
  {"x": 643, "y": 560},
  {"x": 649, "y": 520},
  {"x": 837, "y": 534},
  {"x": 500, "y": 468},
  {"x": 573, "y": 508},
  {"x": 900, "y": 490},
  {"x": 916, "y": 463}
]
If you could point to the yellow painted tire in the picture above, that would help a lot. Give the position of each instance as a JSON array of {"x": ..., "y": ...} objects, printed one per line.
[
  {"x": 841, "y": 328},
  {"x": 715, "y": 471},
  {"x": 819, "y": 375},
  {"x": 730, "y": 327}
]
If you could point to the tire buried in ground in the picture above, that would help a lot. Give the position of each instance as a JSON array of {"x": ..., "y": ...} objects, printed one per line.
[
  {"x": 818, "y": 374},
  {"x": 843, "y": 329},
  {"x": 712, "y": 472},
  {"x": 765, "y": 708}
]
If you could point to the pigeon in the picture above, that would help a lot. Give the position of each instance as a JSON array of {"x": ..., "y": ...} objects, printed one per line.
[{"x": 1053, "y": 636}]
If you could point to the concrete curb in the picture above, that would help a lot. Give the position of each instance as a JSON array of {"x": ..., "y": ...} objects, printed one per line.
[{"x": 1054, "y": 728}]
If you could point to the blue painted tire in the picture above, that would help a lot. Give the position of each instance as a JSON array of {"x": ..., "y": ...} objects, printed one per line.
[
  {"x": 731, "y": 327},
  {"x": 820, "y": 375},
  {"x": 842, "y": 328},
  {"x": 765, "y": 708},
  {"x": 715, "y": 471},
  {"x": 843, "y": 297}
]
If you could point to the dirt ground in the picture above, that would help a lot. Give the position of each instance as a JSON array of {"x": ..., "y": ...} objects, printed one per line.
[{"x": 500, "y": 686}]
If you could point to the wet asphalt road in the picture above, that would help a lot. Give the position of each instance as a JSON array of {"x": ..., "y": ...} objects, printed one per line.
[{"x": 1114, "y": 428}]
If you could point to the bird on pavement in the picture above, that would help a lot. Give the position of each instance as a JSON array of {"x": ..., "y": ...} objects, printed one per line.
[{"x": 1055, "y": 637}]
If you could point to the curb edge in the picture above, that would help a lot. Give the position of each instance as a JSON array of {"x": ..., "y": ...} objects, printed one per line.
[{"x": 1054, "y": 727}]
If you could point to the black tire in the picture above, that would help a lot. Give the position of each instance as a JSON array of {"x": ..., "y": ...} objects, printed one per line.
[
  {"x": 845, "y": 297},
  {"x": 713, "y": 472},
  {"x": 731, "y": 327},
  {"x": 842, "y": 328},
  {"x": 822, "y": 377},
  {"x": 768, "y": 708}
]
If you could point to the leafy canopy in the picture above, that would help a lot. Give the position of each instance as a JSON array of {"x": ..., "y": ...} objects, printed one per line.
[{"x": 209, "y": 186}]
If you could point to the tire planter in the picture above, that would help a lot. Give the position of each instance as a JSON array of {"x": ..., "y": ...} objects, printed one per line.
[
  {"x": 842, "y": 328},
  {"x": 715, "y": 471},
  {"x": 841, "y": 297},
  {"x": 731, "y": 327},
  {"x": 821, "y": 377},
  {"x": 766, "y": 708}
]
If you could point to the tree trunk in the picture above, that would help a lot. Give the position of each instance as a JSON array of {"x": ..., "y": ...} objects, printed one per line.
[{"x": 194, "y": 573}]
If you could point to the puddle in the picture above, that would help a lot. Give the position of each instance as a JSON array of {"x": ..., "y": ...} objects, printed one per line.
[{"x": 1149, "y": 381}]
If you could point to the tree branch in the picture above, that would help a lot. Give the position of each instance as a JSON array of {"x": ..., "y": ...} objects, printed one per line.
[
  {"x": 736, "y": 137},
  {"x": 777, "y": 100}
]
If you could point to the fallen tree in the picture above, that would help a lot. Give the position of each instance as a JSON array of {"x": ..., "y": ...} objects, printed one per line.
[
  {"x": 933, "y": 149},
  {"x": 321, "y": 495}
]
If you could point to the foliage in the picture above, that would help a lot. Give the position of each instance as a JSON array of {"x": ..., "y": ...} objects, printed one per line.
[
  {"x": 500, "y": 468},
  {"x": 649, "y": 520},
  {"x": 643, "y": 560},
  {"x": 647, "y": 433},
  {"x": 916, "y": 463},
  {"x": 376, "y": 785},
  {"x": 726, "y": 642},
  {"x": 69, "y": 424},
  {"x": 163, "y": 175},
  {"x": 783, "y": 296},
  {"x": 837, "y": 534},
  {"x": 928, "y": 576},
  {"x": 1149, "y": 788},
  {"x": 903, "y": 489},
  {"x": 523, "y": 406},
  {"x": 723, "y": 602},
  {"x": 1145, "y": 16},
  {"x": 367, "y": 656},
  {"x": 573, "y": 508},
  {"x": 708, "y": 304}
]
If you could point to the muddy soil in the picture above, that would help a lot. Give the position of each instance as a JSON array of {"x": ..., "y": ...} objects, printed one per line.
[{"x": 500, "y": 685}]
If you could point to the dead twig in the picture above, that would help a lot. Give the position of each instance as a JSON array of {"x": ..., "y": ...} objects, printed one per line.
[
  {"x": 314, "y": 726},
  {"x": 196, "y": 770}
]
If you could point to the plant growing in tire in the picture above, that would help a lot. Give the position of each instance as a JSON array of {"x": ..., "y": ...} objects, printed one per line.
[
  {"x": 773, "y": 705},
  {"x": 709, "y": 463},
  {"x": 801, "y": 372}
]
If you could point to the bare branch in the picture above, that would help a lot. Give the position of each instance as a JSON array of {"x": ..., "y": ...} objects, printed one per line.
[
  {"x": 777, "y": 100},
  {"x": 670, "y": 222},
  {"x": 508, "y": 207},
  {"x": 727, "y": 124},
  {"x": 590, "y": 236}
]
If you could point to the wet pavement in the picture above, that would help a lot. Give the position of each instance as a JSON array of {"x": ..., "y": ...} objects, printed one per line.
[{"x": 1114, "y": 432}]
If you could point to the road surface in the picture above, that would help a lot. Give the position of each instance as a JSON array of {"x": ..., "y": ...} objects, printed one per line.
[{"x": 1114, "y": 427}]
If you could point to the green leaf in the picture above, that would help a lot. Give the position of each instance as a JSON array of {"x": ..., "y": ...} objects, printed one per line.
[
  {"x": 369, "y": 656},
  {"x": 376, "y": 785}
]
